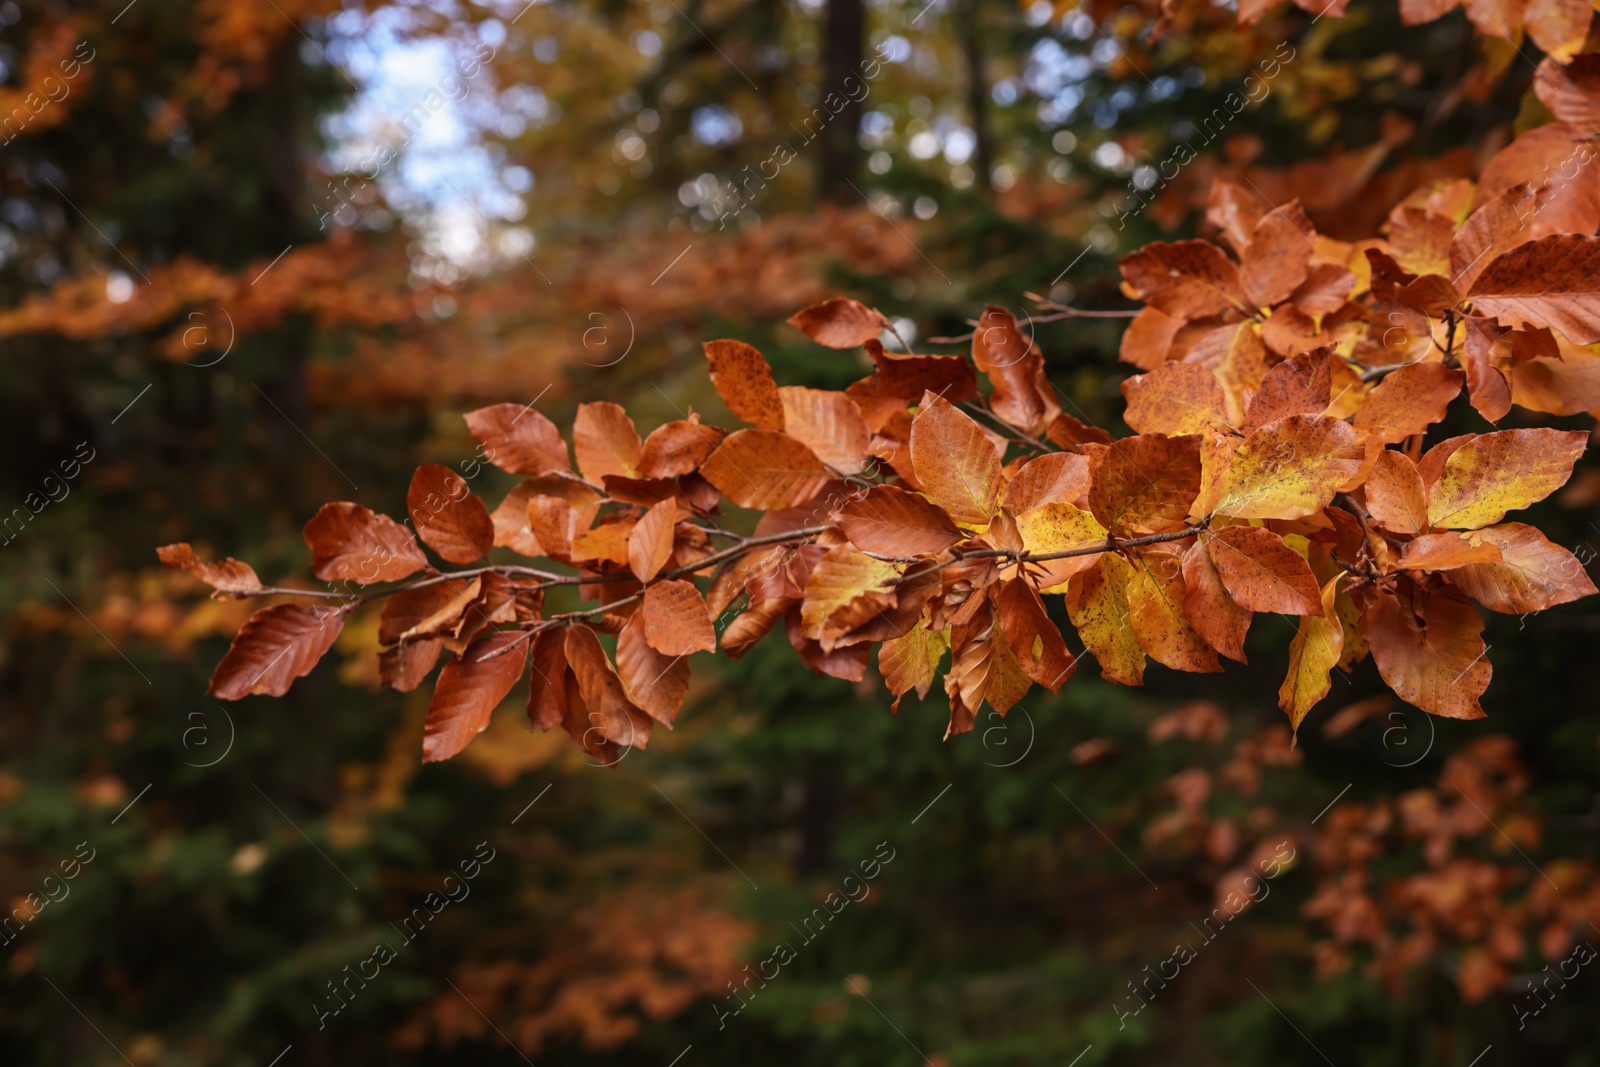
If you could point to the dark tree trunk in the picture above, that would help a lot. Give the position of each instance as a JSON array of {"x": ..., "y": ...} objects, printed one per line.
[
  {"x": 839, "y": 163},
  {"x": 977, "y": 94}
]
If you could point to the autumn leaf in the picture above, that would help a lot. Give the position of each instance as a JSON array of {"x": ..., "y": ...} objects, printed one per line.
[
  {"x": 911, "y": 661},
  {"x": 954, "y": 460},
  {"x": 1054, "y": 477},
  {"x": 1023, "y": 396},
  {"x": 675, "y": 618},
  {"x": 1545, "y": 282},
  {"x": 1297, "y": 386},
  {"x": 605, "y": 441},
  {"x": 548, "y": 678},
  {"x": 449, "y": 519},
  {"x": 1175, "y": 398},
  {"x": 277, "y": 645},
  {"x": 650, "y": 543},
  {"x": 1503, "y": 471},
  {"x": 846, "y": 582},
  {"x": 1148, "y": 339},
  {"x": 1262, "y": 573},
  {"x": 1215, "y": 615},
  {"x": 839, "y": 323},
  {"x": 518, "y": 439},
  {"x": 1446, "y": 551},
  {"x": 1499, "y": 225},
  {"x": 1432, "y": 656},
  {"x": 1407, "y": 402},
  {"x": 829, "y": 423},
  {"x": 765, "y": 469},
  {"x": 1289, "y": 468},
  {"x": 228, "y": 576},
  {"x": 433, "y": 610},
  {"x": 1188, "y": 280},
  {"x": 1273, "y": 265},
  {"x": 654, "y": 681},
  {"x": 1031, "y": 637},
  {"x": 1532, "y": 574},
  {"x": 407, "y": 665},
  {"x": 612, "y": 715},
  {"x": 1144, "y": 484},
  {"x": 676, "y": 448},
  {"x": 888, "y": 521},
  {"x": 744, "y": 381},
  {"x": 351, "y": 542},
  {"x": 470, "y": 687},
  {"x": 1059, "y": 527},
  {"x": 1313, "y": 653},
  {"x": 1104, "y": 620},
  {"x": 1155, "y": 603}
]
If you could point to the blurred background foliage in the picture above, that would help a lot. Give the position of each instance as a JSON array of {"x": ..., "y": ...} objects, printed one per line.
[{"x": 256, "y": 256}]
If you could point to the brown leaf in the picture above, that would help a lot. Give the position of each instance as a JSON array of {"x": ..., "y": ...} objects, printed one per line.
[
  {"x": 349, "y": 541},
  {"x": 650, "y": 543},
  {"x": 1407, "y": 402},
  {"x": 1546, "y": 282},
  {"x": 911, "y": 661},
  {"x": 604, "y": 438},
  {"x": 753, "y": 624},
  {"x": 518, "y": 439},
  {"x": 1175, "y": 398},
  {"x": 888, "y": 521},
  {"x": 906, "y": 378},
  {"x": 470, "y": 687},
  {"x": 1188, "y": 280},
  {"x": 657, "y": 683},
  {"x": 765, "y": 469},
  {"x": 432, "y": 610},
  {"x": 1274, "y": 264},
  {"x": 277, "y": 645},
  {"x": 675, "y": 618},
  {"x": 676, "y": 448},
  {"x": 1446, "y": 551},
  {"x": 1433, "y": 656},
  {"x": 1234, "y": 210},
  {"x": 1148, "y": 339},
  {"x": 1032, "y": 637},
  {"x": 406, "y": 665},
  {"x": 1056, "y": 477},
  {"x": 1558, "y": 27},
  {"x": 744, "y": 381},
  {"x": 228, "y": 576},
  {"x": 450, "y": 520},
  {"x": 1262, "y": 573},
  {"x": 847, "y": 589},
  {"x": 1214, "y": 614},
  {"x": 1022, "y": 395},
  {"x": 611, "y": 714},
  {"x": 839, "y": 323},
  {"x": 827, "y": 422},
  {"x": 1487, "y": 386},
  {"x": 1503, "y": 471},
  {"x": 511, "y": 529},
  {"x": 555, "y": 524},
  {"x": 1395, "y": 494},
  {"x": 1144, "y": 484},
  {"x": 1499, "y": 225},
  {"x": 547, "y": 693},
  {"x": 1533, "y": 574},
  {"x": 955, "y": 461},
  {"x": 1298, "y": 386},
  {"x": 1155, "y": 603}
]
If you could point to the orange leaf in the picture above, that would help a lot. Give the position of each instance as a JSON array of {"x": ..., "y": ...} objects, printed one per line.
[
  {"x": 827, "y": 422},
  {"x": 1407, "y": 402},
  {"x": 676, "y": 448},
  {"x": 1503, "y": 471},
  {"x": 1262, "y": 573},
  {"x": 1433, "y": 656},
  {"x": 765, "y": 469},
  {"x": 470, "y": 687},
  {"x": 1059, "y": 527},
  {"x": 1032, "y": 637},
  {"x": 611, "y": 714},
  {"x": 1214, "y": 614},
  {"x": 675, "y": 619},
  {"x": 604, "y": 438},
  {"x": 1274, "y": 264},
  {"x": 433, "y": 610},
  {"x": 547, "y": 693},
  {"x": 1559, "y": 28},
  {"x": 1188, "y": 280},
  {"x": 650, "y": 543},
  {"x": 1175, "y": 398},
  {"x": 839, "y": 323},
  {"x": 1057, "y": 477},
  {"x": 1288, "y": 469},
  {"x": 911, "y": 661},
  {"x": 1148, "y": 339},
  {"x": 744, "y": 381},
  {"x": 1446, "y": 551},
  {"x": 349, "y": 541},
  {"x": 228, "y": 576},
  {"x": 406, "y": 665},
  {"x": 1297, "y": 386},
  {"x": 1395, "y": 494},
  {"x": 657, "y": 683},
  {"x": 1144, "y": 484},
  {"x": 452, "y": 521},
  {"x": 1313, "y": 653},
  {"x": 1546, "y": 282},
  {"x": 1155, "y": 603},
  {"x": 1499, "y": 225},
  {"x": 1533, "y": 574},
  {"x": 888, "y": 521},
  {"x": 277, "y": 645},
  {"x": 954, "y": 460},
  {"x": 518, "y": 439},
  {"x": 1023, "y": 395}
]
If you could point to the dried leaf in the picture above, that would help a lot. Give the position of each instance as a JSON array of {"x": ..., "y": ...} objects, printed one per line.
[
  {"x": 277, "y": 645},
  {"x": 1188, "y": 280},
  {"x": 911, "y": 661},
  {"x": 1144, "y": 484},
  {"x": 1446, "y": 551},
  {"x": 1057, "y": 477},
  {"x": 1059, "y": 527},
  {"x": 1155, "y": 602},
  {"x": 840, "y": 323},
  {"x": 676, "y": 448},
  {"x": 1503, "y": 471},
  {"x": 650, "y": 543},
  {"x": 657, "y": 683},
  {"x": 1532, "y": 575},
  {"x": 675, "y": 618},
  {"x": 470, "y": 687},
  {"x": 351, "y": 542},
  {"x": 605, "y": 441},
  {"x": 1023, "y": 396},
  {"x": 1407, "y": 402},
  {"x": 888, "y": 521},
  {"x": 1105, "y": 623},
  {"x": 227, "y": 576},
  {"x": 518, "y": 439},
  {"x": 611, "y": 714},
  {"x": 1215, "y": 615},
  {"x": 1545, "y": 282},
  {"x": 1432, "y": 657},
  {"x": 954, "y": 460},
  {"x": 1032, "y": 638},
  {"x": 1262, "y": 573},
  {"x": 1289, "y": 469},
  {"x": 827, "y": 422},
  {"x": 765, "y": 469},
  {"x": 449, "y": 519},
  {"x": 1395, "y": 494},
  {"x": 1175, "y": 398},
  {"x": 744, "y": 381},
  {"x": 1313, "y": 653}
]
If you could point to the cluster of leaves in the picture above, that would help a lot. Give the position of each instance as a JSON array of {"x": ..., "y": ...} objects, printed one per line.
[{"x": 1261, "y": 478}]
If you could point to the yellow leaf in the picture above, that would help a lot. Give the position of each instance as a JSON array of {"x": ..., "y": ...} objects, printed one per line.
[{"x": 1315, "y": 650}]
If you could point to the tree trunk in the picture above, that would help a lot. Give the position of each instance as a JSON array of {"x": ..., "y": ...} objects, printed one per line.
[
  {"x": 977, "y": 94},
  {"x": 839, "y": 164}
]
